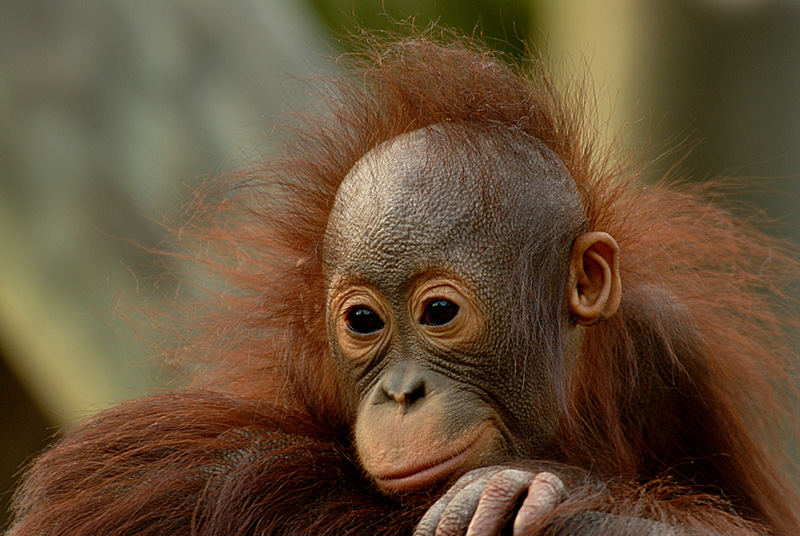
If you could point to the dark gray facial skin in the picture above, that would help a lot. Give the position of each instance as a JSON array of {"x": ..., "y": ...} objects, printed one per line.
[{"x": 494, "y": 216}]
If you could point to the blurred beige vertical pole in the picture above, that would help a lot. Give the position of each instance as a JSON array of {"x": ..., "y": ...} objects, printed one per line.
[{"x": 605, "y": 35}]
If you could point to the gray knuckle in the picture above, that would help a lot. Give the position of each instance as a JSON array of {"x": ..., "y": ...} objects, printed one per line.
[
  {"x": 454, "y": 521},
  {"x": 548, "y": 484},
  {"x": 507, "y": 483}
]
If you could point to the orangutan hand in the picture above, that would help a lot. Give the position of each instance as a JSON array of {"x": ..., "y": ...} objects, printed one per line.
[{"x": 482, "y": 502}]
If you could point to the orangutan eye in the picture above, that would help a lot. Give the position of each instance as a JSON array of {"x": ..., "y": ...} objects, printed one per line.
[
  {"x": 438, "y": 312},
  {"x": 363, "y": 320}
]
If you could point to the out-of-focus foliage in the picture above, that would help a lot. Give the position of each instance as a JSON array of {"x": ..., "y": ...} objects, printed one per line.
[
  {"x": 505, "y": 24},
  {"x": 726, "y": 74}
]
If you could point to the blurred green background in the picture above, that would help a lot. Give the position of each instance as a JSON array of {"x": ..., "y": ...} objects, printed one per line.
[{"x": 111, "y": 110}]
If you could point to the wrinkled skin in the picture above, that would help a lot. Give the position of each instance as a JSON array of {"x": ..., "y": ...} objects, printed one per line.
[
  {"x": 484, "y": 500},
  {"x": 423, "y": 297}
]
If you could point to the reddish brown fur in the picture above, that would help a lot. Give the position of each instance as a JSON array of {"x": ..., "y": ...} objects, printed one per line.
[{"x": 679, "y": 400}]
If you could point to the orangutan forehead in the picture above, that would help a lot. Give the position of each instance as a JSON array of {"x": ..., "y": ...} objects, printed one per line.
[
  {"x": 444, "y": 190},
  {"x": 450, "y": 166},
  {"x": 408, "y": 165}
]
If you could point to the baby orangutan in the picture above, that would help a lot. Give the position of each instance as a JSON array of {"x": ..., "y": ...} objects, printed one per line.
[{"x": 451, "y": 313}]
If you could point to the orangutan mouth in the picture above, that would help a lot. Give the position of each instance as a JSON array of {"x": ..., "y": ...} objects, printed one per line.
[{"x": 461, "y": 458}]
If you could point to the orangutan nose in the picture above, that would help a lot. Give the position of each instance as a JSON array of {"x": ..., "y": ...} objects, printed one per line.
[{"x": 405, "y": 385}]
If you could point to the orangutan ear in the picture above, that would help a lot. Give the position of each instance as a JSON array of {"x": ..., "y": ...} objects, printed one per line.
[{"x": 594, "y": 284}]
